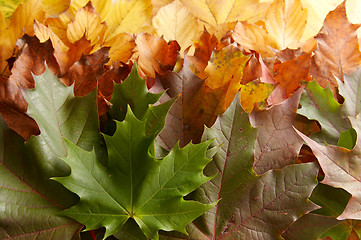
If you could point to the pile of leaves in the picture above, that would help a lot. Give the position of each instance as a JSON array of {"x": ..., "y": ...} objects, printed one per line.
[{"x": 180, "y": 119}]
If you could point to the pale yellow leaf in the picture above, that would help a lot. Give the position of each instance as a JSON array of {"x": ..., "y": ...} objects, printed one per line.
[
  {"x": 253, "y": 37},
  {"x": 175, "y": 22},
  {"x": 87, "y": 22},
  {"x": 158, "y": 4},
  {"x": 217, "y": 12},
  {"x": 285, "y": 23},
  {"x": 128, "y": 16},
  {"x": 121, "y": 48},
  {"x": 317, "y": 12}
]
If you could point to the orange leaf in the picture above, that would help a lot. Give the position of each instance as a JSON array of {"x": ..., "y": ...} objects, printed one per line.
[
  {"x": 155, "y": 54},
  {"x": 289, "y": 75},
  {"x": 121, "y": 48},
  {"x": 337, "y": 51}
]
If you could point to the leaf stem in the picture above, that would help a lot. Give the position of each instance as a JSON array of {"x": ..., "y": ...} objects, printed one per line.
[{"x": 93, "y": 235}]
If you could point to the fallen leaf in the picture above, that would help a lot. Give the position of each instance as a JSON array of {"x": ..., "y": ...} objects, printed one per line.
[
  {"x": 121, "y": 48},
  {"x": 277, "y": 143},
  {"x": 86, "y": 72},
  {"x": 350, "y": 89},
  {"x": 27, "y": 211},
  {"x": 55, "y": 8},
  {"x": 335, "y": 55},
  {"x": 175, "y": 22},
  {"x": 153, "y": 203},
  {"x": 290, "y": 75},
  {"x": 340, "y": 166},
  {"x": 250, "y": 206},
  {"x": 282, "y": 28},
  {"x": 127, "y": 16},
  {"x": 255, "y": 93},
  {"x": 86, "y": 23},
  {"x": 319, "y": 104},
  {"x": 21, "y": 23},
  {"x": 217, "y": 12},
  {"x": 155, "y": 54}
]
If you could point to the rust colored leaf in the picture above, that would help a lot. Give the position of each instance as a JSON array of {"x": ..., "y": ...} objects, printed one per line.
[
  {"x": 155, "y": 54},
  {"x": 337, "y": 51},
  {"x": 289, "y": 75},
  {"x": 277, "y": 142},
  {"x": 86, "y": 72}
]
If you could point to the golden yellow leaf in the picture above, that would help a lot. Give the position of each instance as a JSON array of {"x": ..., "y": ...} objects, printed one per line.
[
  {"x": 217, "y": 12},
  {"x": 7, "y": 8},
  {"x": 55, "y": 7},
  {"x": 175, "y": 22},
  {"x": 285, "y": 23},
  {"x": 87, "y": 22},
  {"x": 121, "y": 48},
  {"x": 255, "y": 93},
  {"x": 128, "y": 16}
]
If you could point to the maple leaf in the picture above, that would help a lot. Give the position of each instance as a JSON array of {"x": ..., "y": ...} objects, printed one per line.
[
  {"x": 250, "y": 206},
  {"x": 319, "y": 104},
  {"x": 175, "y": 22},
  {"x": 345, "y": 57},
  {"x": 350, "y": 90},
  {"x": 26, "y": 212},
  {"x": 277, "y": 143},
  {"x": 150, "y": 193},
  {"x": 337, "y": 164}
]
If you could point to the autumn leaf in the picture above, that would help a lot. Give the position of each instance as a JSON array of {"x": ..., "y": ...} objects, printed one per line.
[
  {"x": 350, "y": 90},
  {"x": 144, "y": 197},
  {"x": 282, "y": 28},
  {"x": 277, "y": 143},
  {"x": 255, "y": 93},
  {"x": 175, "y": 22},
  {"x": 250, "y": 206},
  {"x": 86, "y": 23},
  {"x": 337, "y": 164},
  {"x": 319, "y": 104},
  {"x": 217, "y": 12},
  {"x": 344, "y": 57},
  {"x": 155, "y": 54},
  {"x": 21, "y": 23}
]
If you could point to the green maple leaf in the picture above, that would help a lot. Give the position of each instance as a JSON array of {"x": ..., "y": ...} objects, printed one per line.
[{"x": 135, "y": 184}]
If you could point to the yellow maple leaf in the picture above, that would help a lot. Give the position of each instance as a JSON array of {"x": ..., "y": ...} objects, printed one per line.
[
  {"x": 175, "y": 22},
  {"x": 255, "y": 93}
]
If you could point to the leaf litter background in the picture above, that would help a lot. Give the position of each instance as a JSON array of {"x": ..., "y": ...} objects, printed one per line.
[{"x": 266, "y": 91}]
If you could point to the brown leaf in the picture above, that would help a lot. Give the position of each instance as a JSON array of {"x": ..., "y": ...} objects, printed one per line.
[
  {"x": 13, "y": 109},
  {"x": 31, "y": 61},
  {"x": 155, "y": 54},
  {"x": 86, "y": 72},
  {"x": 337, "y": 51},
  {"x": 277, "y": 142}
]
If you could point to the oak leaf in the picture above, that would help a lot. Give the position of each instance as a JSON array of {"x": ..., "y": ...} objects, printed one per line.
[{"x": 335, "y": 55}]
